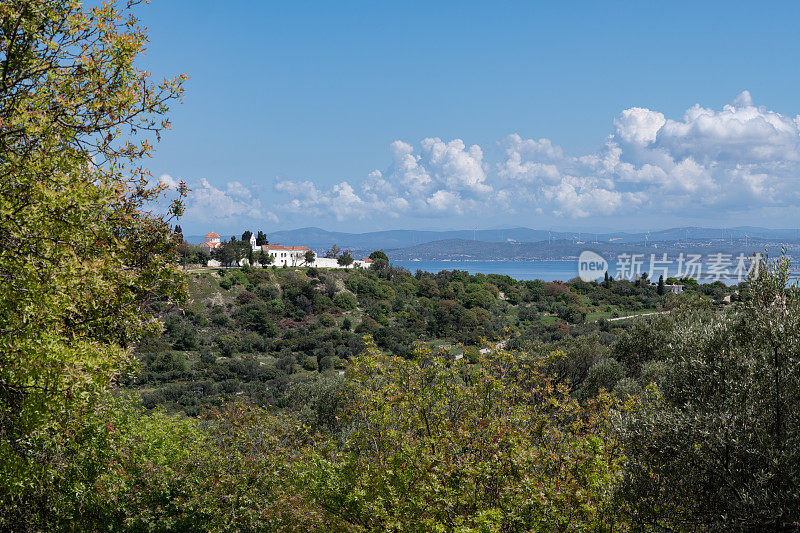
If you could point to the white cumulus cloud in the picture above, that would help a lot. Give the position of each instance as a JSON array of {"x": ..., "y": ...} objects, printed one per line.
[
  {"x": 435, "y": 177},
  {"x": 209, "y": 204},
  {"x": 639, "y": 125},
  {"x": 739, "y": 157}
]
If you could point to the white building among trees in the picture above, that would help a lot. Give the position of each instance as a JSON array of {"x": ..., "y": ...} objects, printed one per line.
[
  {"x": 285, "y": 255},
  {"x": 290, "y": 256}
]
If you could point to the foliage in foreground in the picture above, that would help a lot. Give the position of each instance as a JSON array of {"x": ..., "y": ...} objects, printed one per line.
[
  {"x": 429, "y": 444},
  {"x": 80, "y": 255},
  {"x": 121, "y": 469},
  {"x": 415, "y": 445},
  {"x": 716, "y": 445}
]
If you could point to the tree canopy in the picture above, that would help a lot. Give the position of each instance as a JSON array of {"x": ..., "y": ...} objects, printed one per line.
[
  {"x": 345, "y": 259},
  {"x": 379, "y": 255},
  {"x": 714, "y": 443},
  {"x": 81, "y": 254}
]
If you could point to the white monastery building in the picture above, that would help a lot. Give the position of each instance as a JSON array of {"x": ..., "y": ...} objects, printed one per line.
[
  {"x": 290, "y": 256},
  {"x": 285, "y": 255}
]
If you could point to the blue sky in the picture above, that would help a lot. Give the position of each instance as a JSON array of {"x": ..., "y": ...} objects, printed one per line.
[{"x": 375, "y": 115}]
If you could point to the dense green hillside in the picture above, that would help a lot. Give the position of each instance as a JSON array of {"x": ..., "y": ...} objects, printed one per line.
[{"x": 254, "y": 333}]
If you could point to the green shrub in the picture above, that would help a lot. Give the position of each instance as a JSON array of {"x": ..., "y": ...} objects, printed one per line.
[
  {"x": 326, "y": 319},
  {"x": 227, "y": 344},
  {"x": 345, "y": 300}
]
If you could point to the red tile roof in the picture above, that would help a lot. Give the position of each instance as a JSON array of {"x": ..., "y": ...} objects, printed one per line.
[{"x": 212, "y": 235}]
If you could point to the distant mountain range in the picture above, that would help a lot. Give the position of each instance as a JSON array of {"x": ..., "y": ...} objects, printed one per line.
[{"x": 396, "y": 240}]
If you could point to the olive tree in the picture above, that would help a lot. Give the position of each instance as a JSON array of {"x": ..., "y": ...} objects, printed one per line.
[{"x": 717, "y": 444}]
